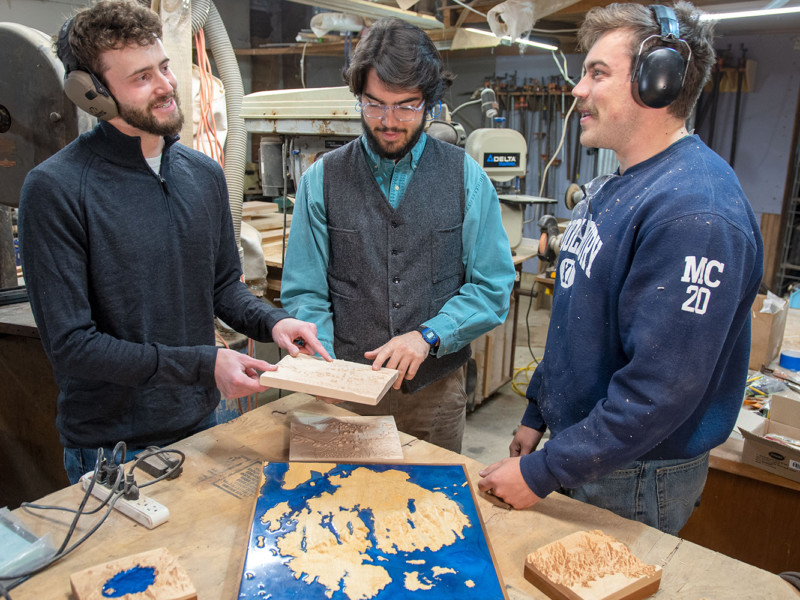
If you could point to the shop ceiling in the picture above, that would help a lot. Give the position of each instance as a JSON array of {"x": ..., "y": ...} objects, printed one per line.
[{"x": 442, "y": 18}]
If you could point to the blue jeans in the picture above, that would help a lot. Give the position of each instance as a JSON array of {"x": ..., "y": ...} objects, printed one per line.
[
  {"x": 78, "y": 461},
  {"x": 659, "y": 493}
]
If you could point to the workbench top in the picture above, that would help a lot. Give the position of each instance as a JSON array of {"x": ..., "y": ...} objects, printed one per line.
[
  {"x": 17, "y": 319},
  {"x": 211, "y": 506}
]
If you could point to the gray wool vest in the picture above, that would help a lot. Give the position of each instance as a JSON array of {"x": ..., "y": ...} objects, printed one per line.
[{"x": 391, "y": 269}]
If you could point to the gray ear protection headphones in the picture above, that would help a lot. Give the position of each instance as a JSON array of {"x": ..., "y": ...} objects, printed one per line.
[
  {"x": 659, "y": 72},
  {"x": 82, "y": 86}
]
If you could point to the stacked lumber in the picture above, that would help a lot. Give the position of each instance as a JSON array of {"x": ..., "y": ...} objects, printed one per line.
[{"x": 269, "y": 221}]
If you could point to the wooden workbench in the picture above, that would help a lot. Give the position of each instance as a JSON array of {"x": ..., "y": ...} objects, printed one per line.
[
  {"x": 747, "y": 512},
  {"x": 212, "y": 501},
  {"x": 28, "y": 392}
]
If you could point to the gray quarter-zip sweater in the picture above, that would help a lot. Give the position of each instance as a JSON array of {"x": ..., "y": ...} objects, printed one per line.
[{"x": 125, "y": 270}]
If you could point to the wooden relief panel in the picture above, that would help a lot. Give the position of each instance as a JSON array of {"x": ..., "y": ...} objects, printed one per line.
[
  {"x": 324, "y": 531},
  {"x": 154, "y": 575},
  {"x": 344, "y": 439},
  {"x": 340, "y": 379},
  {"x": 591, "y": 566}
]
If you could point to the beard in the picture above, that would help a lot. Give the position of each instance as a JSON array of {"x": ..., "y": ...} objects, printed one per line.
[
  {"x": 145, "y": 120},
  {"x": 377, "y": 148}
]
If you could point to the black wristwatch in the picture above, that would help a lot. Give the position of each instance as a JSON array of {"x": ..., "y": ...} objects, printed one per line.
[{"x": 429, "y": 335}]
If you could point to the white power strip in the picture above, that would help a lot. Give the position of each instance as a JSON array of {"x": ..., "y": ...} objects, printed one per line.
[{"x": 144, "y": 510}]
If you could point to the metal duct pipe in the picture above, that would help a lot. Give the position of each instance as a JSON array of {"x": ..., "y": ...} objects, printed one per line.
[{"x": 205, "y": 16}]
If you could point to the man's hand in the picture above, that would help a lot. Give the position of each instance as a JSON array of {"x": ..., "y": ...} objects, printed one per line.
[
  {"x": 504, "y": 480},
  {"x": 525, "y": 441},
  {"x": 235, "y": 373},
  {"x": 287, "y": 331},
  {"x": 403, "y": 352}
]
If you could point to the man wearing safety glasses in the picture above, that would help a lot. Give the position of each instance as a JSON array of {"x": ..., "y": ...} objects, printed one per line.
[{"x": 397, "y": 251}]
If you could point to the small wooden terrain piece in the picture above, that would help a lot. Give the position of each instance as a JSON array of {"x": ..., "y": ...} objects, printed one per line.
[
  {"x": 154, "y": 575},
  {"x": 591, "y": 566},
  {"x": 340, "y": 379},
  {"x": 319, "y": 438}
]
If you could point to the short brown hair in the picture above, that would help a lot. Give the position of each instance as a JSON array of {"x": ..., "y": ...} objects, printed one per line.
[
  {"x": 111, "y": 25},
  {"x": 639, "y": 20},
  {"x": 403, "y": 57}
]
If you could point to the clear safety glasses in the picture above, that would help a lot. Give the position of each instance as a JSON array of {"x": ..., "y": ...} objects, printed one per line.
[{"x": 378, "y": 111}]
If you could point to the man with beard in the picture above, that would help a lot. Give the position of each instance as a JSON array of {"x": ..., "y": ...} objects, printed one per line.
[
  {"x": 129, "y": 251},
  {"x": 649, "y": 341},
  {"x": 397, "y": 251}
]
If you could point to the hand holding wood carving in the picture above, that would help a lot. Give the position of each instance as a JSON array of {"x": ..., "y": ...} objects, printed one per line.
[
  {"x": 235, "y": 373},
  {"x": 286, "y": 332},
  {"x": 403, "y": 352}
]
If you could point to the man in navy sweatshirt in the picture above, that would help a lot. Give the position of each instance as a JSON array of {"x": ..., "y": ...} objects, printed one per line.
[
  {"x": 649, "y": 338},
  {"x": 128, "y": 252}
]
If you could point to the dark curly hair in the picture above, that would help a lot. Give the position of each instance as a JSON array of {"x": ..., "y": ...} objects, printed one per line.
[
  {"x": 640, "y": 21},
  {"x": 110, "y": 25},
  {"x": 403, "y": 57}
]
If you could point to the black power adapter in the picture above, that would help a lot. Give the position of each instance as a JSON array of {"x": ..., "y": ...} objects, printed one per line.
[{"x": 158, "y": 463}]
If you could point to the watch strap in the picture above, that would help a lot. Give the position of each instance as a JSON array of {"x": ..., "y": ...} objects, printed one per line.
[{"x": 429, "y": 335}]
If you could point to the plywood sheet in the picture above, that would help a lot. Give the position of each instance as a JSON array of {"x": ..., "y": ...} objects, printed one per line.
[
  {"x": 155, "y": 575},
  {"x": 325, "y": 530},
  {"x": 344, "y": 439},
  {"x": 340, "y": 379},
  {"x": 273, "y": 221},
  {"x": 258, "y": 208},
  {"x": 591, "y": 566}
]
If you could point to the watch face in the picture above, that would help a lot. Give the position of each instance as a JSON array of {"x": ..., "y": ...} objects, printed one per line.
[{"x": 430, "y": 336}]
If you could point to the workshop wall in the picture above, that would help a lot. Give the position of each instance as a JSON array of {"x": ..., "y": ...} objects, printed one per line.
[
  {"x": 44, "y": 16},
  {"x": 766, "y": 121},
  {"x": 765, "y": 124}
]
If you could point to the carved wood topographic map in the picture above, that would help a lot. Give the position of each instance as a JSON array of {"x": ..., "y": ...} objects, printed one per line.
[{"x": 356, "y": 532}]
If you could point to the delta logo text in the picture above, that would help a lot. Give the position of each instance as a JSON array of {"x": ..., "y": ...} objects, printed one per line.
[{"x": 501, "y": 160}]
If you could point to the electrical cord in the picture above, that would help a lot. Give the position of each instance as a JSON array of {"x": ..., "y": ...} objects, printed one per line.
[
  {"x": 18, "y": 578},
  {"x": 527, "y": 323},
  {"x": 147, "y": 454},
  {"x": 530, "y": 366},
  {"x": 303, "y": 66},
  {"x": 558, "y": 148},
  {"x": 207, "y": 126},
  {"x": 123, "y": 486}
]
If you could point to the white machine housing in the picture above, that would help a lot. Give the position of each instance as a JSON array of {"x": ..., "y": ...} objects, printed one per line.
[
  {"x": 297, "y": 127},
  {"x": 502, "y": 153}
]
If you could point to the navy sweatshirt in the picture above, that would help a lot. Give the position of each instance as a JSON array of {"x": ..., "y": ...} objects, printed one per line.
[
  {"x": 125, "y": 270},
  {"x": 648, "y": 345}
]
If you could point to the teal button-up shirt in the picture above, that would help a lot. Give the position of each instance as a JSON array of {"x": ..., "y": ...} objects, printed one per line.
[{"x": 483, "y": 300}]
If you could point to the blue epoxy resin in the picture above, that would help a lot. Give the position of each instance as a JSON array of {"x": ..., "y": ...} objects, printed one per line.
[{"x": 132, "y": 581}]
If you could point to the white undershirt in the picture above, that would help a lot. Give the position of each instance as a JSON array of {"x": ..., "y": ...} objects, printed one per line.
[{"x": 155, "y": 164}]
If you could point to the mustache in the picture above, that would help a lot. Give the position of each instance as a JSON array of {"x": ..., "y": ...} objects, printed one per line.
[
  {"x": 389, "y": 129},
  {"x": 165, "y": 99}
]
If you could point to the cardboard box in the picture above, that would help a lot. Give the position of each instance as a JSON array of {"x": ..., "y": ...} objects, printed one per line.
[
  {"x": 766, "y": 333},
  {"x": 772, "y": 456}
]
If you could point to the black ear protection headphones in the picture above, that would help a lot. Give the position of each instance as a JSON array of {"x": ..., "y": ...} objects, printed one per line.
[
  {"x": 659, "y": 72},
  {"x": 82, "y": 86}
]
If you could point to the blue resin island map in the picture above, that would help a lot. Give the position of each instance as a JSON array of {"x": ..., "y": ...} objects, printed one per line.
[{"x": 355, "y": 532}]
